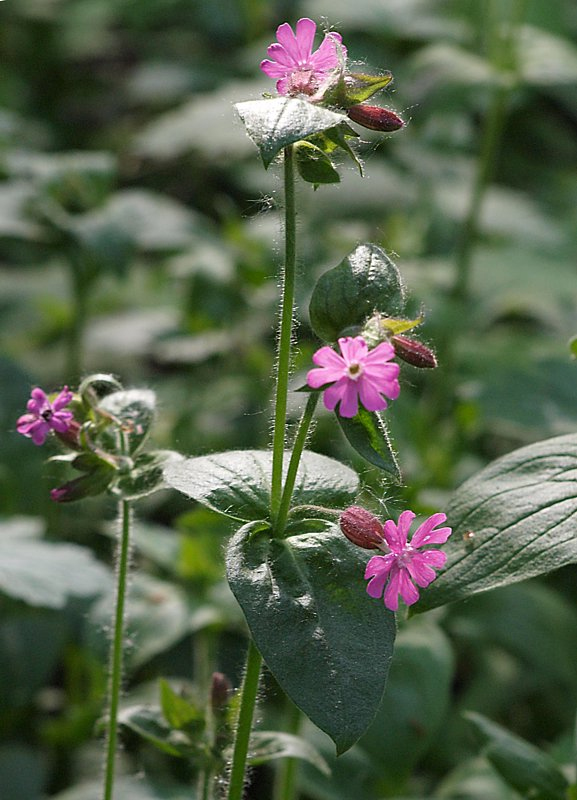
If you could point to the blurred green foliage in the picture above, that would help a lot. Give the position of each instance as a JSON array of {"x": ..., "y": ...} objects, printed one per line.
[{"x": 139, "y": 235}]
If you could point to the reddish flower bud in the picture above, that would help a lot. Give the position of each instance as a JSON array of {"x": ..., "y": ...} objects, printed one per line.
[
  {"x": 376, "y": 118},
  {"x": 414, "y": 352},
  {"x": 361, "y": 528},
  {"x": 220, "y": 691}
]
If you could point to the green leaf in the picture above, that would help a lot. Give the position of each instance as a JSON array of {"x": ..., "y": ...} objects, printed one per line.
[
  {"x": 276, "y": 123},
  {"x": 313, "y": 165},
  {"x": 415, "y": 704},
  {"x": 367, "y": 433},
  {"x": 146, "y": 475},
  {"x": 150, "y": 724},
  {"x": 364, "y": 282},
  {"x": 521, "y": 511},
  {"x": 135, "y": 410},
  {"x": 180, "y": 712},
  {"x": 268, "y": 746},
  {"x": 529, "y": 770},
  {"x": 327, "y": 645},
  {"x": 359, "y": 87},
  {"x": 237, "y": 483},
  {"x": 47, "y": 574}
]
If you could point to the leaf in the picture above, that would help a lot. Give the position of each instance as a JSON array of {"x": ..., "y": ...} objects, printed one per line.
[
  {"x": 415, "y": 704},
  {"x": 313, "y": 165},
  {"x": 180, "y": 712},
  {"x": 364, "y": 282},
  {"x": 237, "y": 483},
  {"x": 327, "y": 645},
  {"x": 146, "y": 475},
  {"x": 129, "y": 788},
  {"x": 150, "y": 724},
  {"x": 529, "y": 770},
  {"x": 522, "y": 511},
  {"x": 47, "y": 574},
  {"x": 276, "y": 123},
  {"x": 135, "y": 409},
  {"x": 268, "y": 746},
  {"x": 359, "y": 87},
  {"x": 367, "y": 433},
  {"x": 545, "y": 59}
]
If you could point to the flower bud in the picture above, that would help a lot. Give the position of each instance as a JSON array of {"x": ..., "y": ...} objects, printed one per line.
[
  {"x": 220, "y": 690},
  {"x": 376, "y": 118},
  {"x": 361, "y": 528},
  {"x": 414, "y": 352}
]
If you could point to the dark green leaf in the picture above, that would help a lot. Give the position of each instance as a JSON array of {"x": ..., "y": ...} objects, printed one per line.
[
  {"x": 326, "y": 643},
  {"x": 313, "y": 165},
  {"x": 146, "y": 476},
  {"x": 521, "y": 511},
  {"x": 276, "y": 123},
  {"x": 529, "y": 770},
  {"x": 364, "y": 282},
  {"x": 135, "y": 410},
  {"x": 268, "y": 746},
  {"x": 237, "y": 483},
  {"x": 367, "y": 433}
]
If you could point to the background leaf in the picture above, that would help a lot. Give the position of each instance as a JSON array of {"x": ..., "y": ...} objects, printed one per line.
[{"x": 367, "y": 433}]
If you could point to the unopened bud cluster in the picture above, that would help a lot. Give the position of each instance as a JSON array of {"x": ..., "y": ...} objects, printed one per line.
[
  {"x": 375, "y": 118},
  {"x": 362, "y": 528}
]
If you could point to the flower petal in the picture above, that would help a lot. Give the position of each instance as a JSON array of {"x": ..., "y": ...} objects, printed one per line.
[
  {"x": 404, "y": 524},
  {"x": 381, "y": 353},
  {"x": 322, "y": 375},
  {"x": 392, "y": 537},
  {"x": 285, "y": 35},
  {"x": 334, "y": 394},
  {"x": 420, "y": 571},
  {"x": 305, "y": 36},
  {"x": 391, "y": 595},
  {"x": 370, "y": 396},
  {"x": 426, "y": 535},
  {"x": 327, "y": 357},
  {"x": 349, "y": 405},
  {"x": 354, "y": 349},
  {"x": 407, "y": 588},
  {"x": 62, "y": 399},
  {"x": 377, "y": 572},
  {"x": 329, "y": 54}
]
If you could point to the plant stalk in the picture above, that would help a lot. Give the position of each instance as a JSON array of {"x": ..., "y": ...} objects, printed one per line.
[
  {"x": 115, "y": 666},
  {"x": 285, "y": 333},
  {"x": 248, "y": 695},
  {"x": 286, "y": 778},
  {"x": 295, "y": 458}
]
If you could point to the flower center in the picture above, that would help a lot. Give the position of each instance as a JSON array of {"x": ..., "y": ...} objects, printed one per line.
[
  {"x": 302, "y": 81},
  {"x": 47, "y": 414},
  {"x": 354, "y": 370}
]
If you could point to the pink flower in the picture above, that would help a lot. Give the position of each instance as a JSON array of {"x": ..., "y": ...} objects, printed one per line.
[
  {"x": 403, "y": 566},
  {"x": 44, "y": 416},
  {"x": 299, "y": 70},
  {"x": 357, "y": 373}
]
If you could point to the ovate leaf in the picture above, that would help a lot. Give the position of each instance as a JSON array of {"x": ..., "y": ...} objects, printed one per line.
[
  {"x": 367, "y": 433},
  {"x": 135, "y": 409},
  {"x": 344, "y": 297},
  {"x": 276, "y": 123},
  {"x": 513, "y": 520},
  {"x": 237, "y": 483},
  {"x": 327, "y": 645},
  {"x": 313, "y": 165}
]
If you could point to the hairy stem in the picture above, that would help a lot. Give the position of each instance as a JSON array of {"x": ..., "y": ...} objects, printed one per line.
[
  {"x": 115, "y": 666},
  {"x": 295, "y": 458},
  {"x": 285, "y": 333},
  {"x": 249, "y": 693}
]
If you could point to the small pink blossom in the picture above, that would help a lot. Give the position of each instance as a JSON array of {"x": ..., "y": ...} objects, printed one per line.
[
  {"x": 397, "y": 572},
  {"x": 44, "y": 416},
  {"x": 292, "y": 61},
  {"x": 359, "y": 373}
]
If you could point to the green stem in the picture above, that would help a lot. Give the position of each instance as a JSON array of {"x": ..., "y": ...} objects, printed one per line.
[
  {"x": 501, "y": 42},
  {"x": 205, "y": 785},
  {"x": 286, "y": 778},
  {"x": 295, "y": 458},
  {"x": 249, "y": 692},
  {"x": 115, "y": 667},
  {"x": 285, "y": 333}
]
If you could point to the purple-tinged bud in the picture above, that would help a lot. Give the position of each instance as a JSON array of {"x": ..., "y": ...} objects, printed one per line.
[
  {"x": 362, "y": 528},
  {"x": 376, "y": 118},
  {"x": 414, "y": 352},
  {"x": 220, "y": 691}
]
